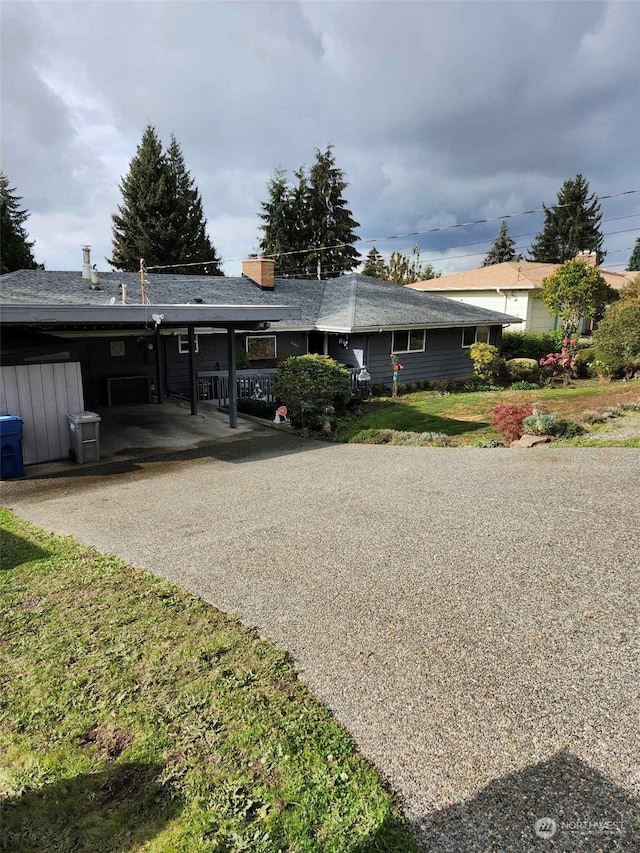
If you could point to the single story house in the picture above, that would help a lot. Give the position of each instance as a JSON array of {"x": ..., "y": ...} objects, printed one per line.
[
  {"x": 75, "y": 340},
  {"x": 513, "y": 287}
]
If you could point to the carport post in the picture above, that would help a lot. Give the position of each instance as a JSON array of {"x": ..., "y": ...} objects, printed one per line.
[
  {"x": 192, "y": 370},
  {"x": 158, "y": 366},
  {"x": 233, "y": 385}
]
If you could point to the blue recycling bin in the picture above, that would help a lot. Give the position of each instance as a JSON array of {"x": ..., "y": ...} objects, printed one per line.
[{"x": 11, "y": 464}]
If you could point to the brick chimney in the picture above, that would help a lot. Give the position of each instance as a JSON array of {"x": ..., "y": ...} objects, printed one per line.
[
  {"x": 260, "y": 270},
  {"x": 590, "y": 258}
]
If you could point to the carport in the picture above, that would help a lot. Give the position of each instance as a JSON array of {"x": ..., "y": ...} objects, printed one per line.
[{"x": 38, "y": 398}]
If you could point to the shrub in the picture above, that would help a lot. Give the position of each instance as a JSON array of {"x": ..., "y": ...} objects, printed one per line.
[
  {"x": 486, "y": 361},
  {"x": 316, "y": 379},
  {"x": 524, "y": 386},
  {"x": 592, "y": 417},
  {"x": 584, "y": 359},
  {"x": 522, "y": 369},
  {"x": 508, "y": 420},
  {"x": 560, "y": 364},
  {"x": 259, "y": 408},
  {"x": 529, "y": 344},
  {"x": 541, "y": 423},
  {"x": 617, "y": 339},
  {"x": 400, "y": 437}
]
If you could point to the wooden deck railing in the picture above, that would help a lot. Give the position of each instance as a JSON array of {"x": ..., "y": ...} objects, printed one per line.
[{"x": 213, "y": 385}]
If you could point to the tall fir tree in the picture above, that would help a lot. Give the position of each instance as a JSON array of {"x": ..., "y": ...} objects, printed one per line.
[
  {"x": 331, "y": 222},
  {"x": 161, "y": 217},
  {"x": 502, "y": 249},
  {"x": 374, "y": 265},
  {"x": 570, "y": 226},
  {"x": 15, "y": 246},
  {"x": 634, "y": 260},
  {"x": 310, "y": 220},
  {"x": 192, "y": 241},
  {"x": 282, "y": 222}
]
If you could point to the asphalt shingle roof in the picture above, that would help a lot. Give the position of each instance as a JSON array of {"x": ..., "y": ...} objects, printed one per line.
[{"x": 351, "y": 302}]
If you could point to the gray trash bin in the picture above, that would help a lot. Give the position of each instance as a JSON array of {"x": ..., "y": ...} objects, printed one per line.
[{"x": 84, "y": 429}]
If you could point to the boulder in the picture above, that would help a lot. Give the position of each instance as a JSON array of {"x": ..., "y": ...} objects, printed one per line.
[{"x": 532, "y": 440}]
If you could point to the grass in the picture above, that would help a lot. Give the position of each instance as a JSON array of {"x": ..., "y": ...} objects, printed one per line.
[
  {"x": 135, "y": 717},
  {"x": 466, "y": 417}
]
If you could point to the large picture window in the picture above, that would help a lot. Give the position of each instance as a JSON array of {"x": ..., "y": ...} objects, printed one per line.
[
  {"x": 408, "y": 340},
  {"x": 261, "y": 347},
  {"x": 475, "y": 335}
]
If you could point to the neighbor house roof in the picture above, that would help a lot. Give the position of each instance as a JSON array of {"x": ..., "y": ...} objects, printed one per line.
[
  {"x": 346, "y": 304},
  {"x": 510, "y": 275}
]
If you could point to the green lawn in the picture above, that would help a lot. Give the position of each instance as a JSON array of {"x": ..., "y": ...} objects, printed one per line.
[
  {"x": 467, "y": 416},
  {"x": 134, "y": 716}
]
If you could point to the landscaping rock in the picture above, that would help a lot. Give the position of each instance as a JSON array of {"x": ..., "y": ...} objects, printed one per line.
[{"x": 531, "y": 441}]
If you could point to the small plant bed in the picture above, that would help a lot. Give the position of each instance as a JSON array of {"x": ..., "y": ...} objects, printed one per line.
[
  {"x": 135, "y": 716},
  {"x": 466, "y": 417}
]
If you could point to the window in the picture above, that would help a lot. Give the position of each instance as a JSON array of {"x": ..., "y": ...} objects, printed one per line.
[
  {"x": 183, "y": 344},
  {"x": 260, "y": 347},
  {"x": 475, "y": 335},
  {"x": 408, "y": 340}
]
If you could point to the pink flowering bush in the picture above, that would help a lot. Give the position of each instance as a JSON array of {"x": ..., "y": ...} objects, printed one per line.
[{"x": 561, "y": 364}]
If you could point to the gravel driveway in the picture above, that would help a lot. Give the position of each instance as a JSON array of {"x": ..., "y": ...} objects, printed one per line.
[{"x": 470, "y": 615}]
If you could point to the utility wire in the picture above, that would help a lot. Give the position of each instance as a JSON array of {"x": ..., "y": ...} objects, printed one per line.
[{"x": 317, "y": 249}]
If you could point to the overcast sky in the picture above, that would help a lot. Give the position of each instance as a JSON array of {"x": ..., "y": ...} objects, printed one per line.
[{"x": 440, "y": 113}]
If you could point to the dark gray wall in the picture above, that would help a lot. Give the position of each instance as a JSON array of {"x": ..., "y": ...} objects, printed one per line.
[{"x": 443, "y": 358}]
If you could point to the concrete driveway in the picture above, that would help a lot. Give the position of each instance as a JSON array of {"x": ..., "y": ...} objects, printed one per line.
[{"x": 470, "y": 615}]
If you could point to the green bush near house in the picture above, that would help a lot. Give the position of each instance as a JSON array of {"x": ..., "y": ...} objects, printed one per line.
[
  {"x": 522, "y": 369},
  {"x": 318, "y": 380},
  {"x": 533, "y": 345},
  {"x": 487, "y": 363}
]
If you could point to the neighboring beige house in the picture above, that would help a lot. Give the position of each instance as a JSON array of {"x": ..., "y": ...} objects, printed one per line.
[{"x": 511, "y": 288}]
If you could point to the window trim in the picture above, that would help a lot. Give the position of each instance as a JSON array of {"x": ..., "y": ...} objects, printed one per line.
[
  {"x": 183, "y": 343},
  {"x": 475, "y": 335},
  {"x": 395, "y": 351},
  {"x": 262, "y": 337}
]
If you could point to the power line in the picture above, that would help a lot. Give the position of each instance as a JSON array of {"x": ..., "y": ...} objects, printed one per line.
[{"x": 318, "y": 249}]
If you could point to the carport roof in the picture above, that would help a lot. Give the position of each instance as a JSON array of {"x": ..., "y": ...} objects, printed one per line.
[{"x": 151, "y": 316}]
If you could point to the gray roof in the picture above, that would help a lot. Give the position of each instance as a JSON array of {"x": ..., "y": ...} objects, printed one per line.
[{"x": 350, "y": 303}]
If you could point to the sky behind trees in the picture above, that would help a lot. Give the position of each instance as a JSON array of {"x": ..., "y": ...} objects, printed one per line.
[{"x": 440, "y": 113}]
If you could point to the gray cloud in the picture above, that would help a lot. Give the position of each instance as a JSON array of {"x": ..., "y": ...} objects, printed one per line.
[{"x": 439, "y": 112}]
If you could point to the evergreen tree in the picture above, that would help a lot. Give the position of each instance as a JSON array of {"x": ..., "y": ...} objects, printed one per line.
[
  {"x": 15, "y": 246},
  {"x": 282, "y": 222},
  {"x": 634, "y": 260},
  {"x": 310, "y": 219},
  {"x": 331, "y": 223},
  {"x": 192, "y": 243},
  {"x": 161, "y": 218},
  {"x": 405, "y": 269},
  {"x": 374, "y": 264},
  {"x": 570, "y": 226},
  {"x": 502, "y": 249}
]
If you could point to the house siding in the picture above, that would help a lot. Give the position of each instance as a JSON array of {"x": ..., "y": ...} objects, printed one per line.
[{"x": 443, "y": 357}]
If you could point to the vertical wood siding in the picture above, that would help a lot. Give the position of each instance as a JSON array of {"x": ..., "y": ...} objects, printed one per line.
[{"x": 42, "y": 395}]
